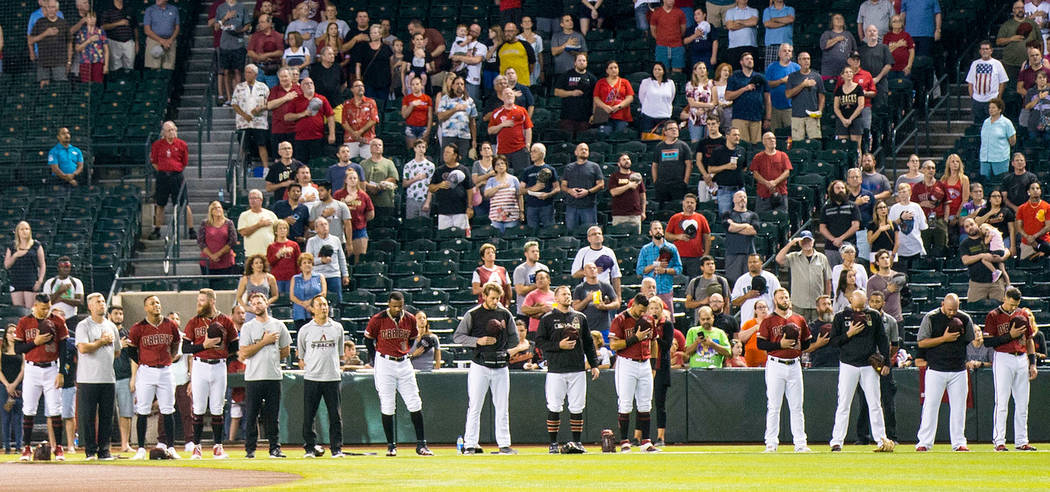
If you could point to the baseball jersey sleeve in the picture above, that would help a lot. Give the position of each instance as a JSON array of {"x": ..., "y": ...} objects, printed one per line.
[
  {"x": 616, "y": 328},
  {"x": 925, "y": 329},
  {"x": 371, "y": 330}
]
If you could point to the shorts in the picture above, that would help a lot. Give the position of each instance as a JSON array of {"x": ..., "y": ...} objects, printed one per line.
[
  {"x": 168, "y": 186},
  {"x": 672, "y": 57},
  {"x": 125, "y": 402},
  {"x": 232, "y": 59},
  {"x": 236, "y": 410},
  {"x": 994, "y": 168},
  {"x": 69, "y": 399},
  {"x": 750, "y": 131},
  {"x": 361, "y": 233},
  {"x": 856, "y": 128},
  {"x": 121, "y": 55},
  {"x": 805, "y": 127},
  {"x": 258, "y": 136},
  {"x": 415, "y": 131},
  {"x": 59, "y": 73}
]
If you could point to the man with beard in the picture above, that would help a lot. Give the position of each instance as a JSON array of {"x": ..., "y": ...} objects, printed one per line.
[
  {"x": 827, "y": 355},
  {"x": 887, "y": 388},
  {"x": 659, "y": 260},
  {"x": 628, "y": 202},
  {"x": 888, "y": 284},
  {"x": 210, "y": 337},
  {"x": 859, "y": 333},
  {"x": 632, "y": 335},
  {"x": 153, "y": 344},
  {"x": 944, "y": 334},
  {"x": 263, "y": 343},
  {"x": 700, "y": 290},
  {"x": 723, "y": 320},
  {"x": 839, "y": 221}
]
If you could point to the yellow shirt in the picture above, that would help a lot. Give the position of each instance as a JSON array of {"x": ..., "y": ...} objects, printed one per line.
[{"x": 513, "y": 55}]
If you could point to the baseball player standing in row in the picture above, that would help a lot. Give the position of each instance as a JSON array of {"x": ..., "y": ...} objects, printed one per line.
[
  {"x": 566, "y": 343},
  {"x": 320, "y": 342},
  {"x": 944, "y": 333},
  {"x": 1008, "y": 331},
  {"x": 489, "y": 329},
  {"x": 784, "y": 335},
  {"x": 389, "y": 335},
  {"x": 39, "y": 336},
  {"x": 858, "y": 333},
  {"x": 631, "y": 336},
  {"x": 210, "y": 337},
  {"x": 98, "y": 343},
  {"x": 264, "y": 341},
  {"x": 153, "y": 344}
]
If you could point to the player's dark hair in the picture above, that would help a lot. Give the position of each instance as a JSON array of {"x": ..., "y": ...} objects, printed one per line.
[
  {"x": 1013, "y": 293},
  {"x": 114, "y": 308},
  {"x": 323, "y": 184},
  {"x": 42, "y": 298},
  {"x": 640, "y": 299},
  {"x": 397, "y": 296},
  {"x": 876, "y": 293},
  {"x": 295, "y": 185}
]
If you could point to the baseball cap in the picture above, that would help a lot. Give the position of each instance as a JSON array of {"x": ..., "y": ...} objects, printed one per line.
[
  {"x": 156, "y": 51},
  {"x": 456, "y": 177},
  {"x": 314, "y": 106},
  {"x": 604, "y": 262},
  {"x": 690, "y": 226},
  {"x": 804, "y": 235},
  {"x": 855, "y": 54}
]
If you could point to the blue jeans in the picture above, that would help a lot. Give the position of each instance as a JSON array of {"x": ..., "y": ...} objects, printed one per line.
[
  {"x": 613, "y": 126},
  {"x": 537, "y": 217},
  {"x": 576, "y": 217},
  {"x": 980, "y": 112},
  {"x": 283, "y": 286},
  {"x": 503, "y": 226},
  {"x": 641, "y": 17},
  {"x": 697, "y": 133},
  {"x": 335, "y": 284},
  {"x": 725, "y": 198},
  {"x": 10, "y": 422},
  {"x": 474, "y": 91}
]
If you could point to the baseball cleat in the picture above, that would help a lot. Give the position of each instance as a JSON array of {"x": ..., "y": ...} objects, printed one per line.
[
  {"x": 770, "y": 449},
  {"x": 921, "y": 449},
  {"x": 59, "y": 454},
  {"x": 423, "y": 450},
  {"x": 648, "y": 447},
  {"x": 196, "y": 453},
  {"x": 105, "y": 456},
  {"x": 635, "y": 442},
  {"x": 249, "y": 455},
  {"x": 140, "y": 454},
  {"x": 836, "y": 448},
  {"x": 962, "y": 449},
  {"x": 1002, "y": 448},
  {"x": 189, "y": 446},
  {"x": 886, "y": 446},
  {"x": 506, "y": 450},
  {"x": 27, "y": 454},
  {"x": 91, "y": 457},
  {"x": 309, "y": 455},
  {"x": 625, "y": 446},
  {"x": 172, "y": 453},
  {"x": 218, "y": 453},
  {"x": 468, "y": 452},
  {"x": 1025, "y": 447},
  {"x": 391, "y": 449},
  {"x": 659, "y": 443},
  {"x": 277, "y": 454},
  {"x": 803, "y": 449},
  {"x": 553, "y": 449},
  {"x": 337, "y": 454}
]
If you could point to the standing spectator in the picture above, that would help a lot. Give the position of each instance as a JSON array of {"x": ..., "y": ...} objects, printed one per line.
[
  {"x": 873, "y": 181},
  {"x": 887, "y": 284},
  {"x": 66, "y": 160},
  {"x": 329, "y": 258},
  {"x": 901, "y": 46},
  {"x": 912, "y": 175},
  {"x": 505, "y": 198},
  {"x": 596, "y": 299},
  {"x": 849, "y": 108},
  {"x": 1037, "y": 105},
  {"x": 376, "y": 74},
  {"x": 480, "y": 172},
  {"x": 741, "y": 228},
  {"x": 603, "y": 258},
  {"x": 359, "y": 119},
  {"x": 169, "y": 156},
  {"x": 280, "y": 104},
  {"x": 249, "y": 105},
  {"x": 701, "y": 289},
  {"x": 848, "y": 253},
  {"x": 590, "y": 10},
  {"x": 612, "y": 100},
  {"x": 997, "y": 136},
  {"x": 723, "y": 168},
  {"x": 417, "y": 173},
  {"x": 417, "y": 109},
  {"x": 97, "y": 346},
  {"x": 659, "y": 260},
  {"x": 264, "y": 342},
  {"x": 488, "y": 272},
  {"x": 876, "y": 59},
  {"x": 882, "y": 233},
  {"x": 702, "y": 43},
  {"x": 513, "y": 127},
  {"x": 1033, "y": 224},
  {"x": 234, "y": 21},
  {"x": 628, "y": 195},
  {"x": 956, "y": 192},
  {"x": 985, "y": 265},
  {"x": 217, "y": 239},
  {"x": 566, "y": 46},
  {"x": 741, "y": 21},
  {"x": 540, "y": 186},
  {"x": 999, "y": 216},
  {"x": 876, "y": 13},
  {"x": 836, "y": 43},
  {"x": 753, "y": 285},
  {"x": 434, "y": 46},
  {"x": 671, "y": 166},
  {"x": 336, "y": 173},
  {"x": 456, "y": 115},
  {"x": 256, "y": 278},
  {"x": 839, "y": 221},
  {"x": 754, "y": 356},
  {"x": 656, "y": 96},
  {"x": 922, "y": 19},
  {"x": 426, "y": 349},
  {"x": 945, "y": 354},
  {"x": 305, "y": 286},
  {"x": 576, "y": 89},
  {"x": 453, "y": 191},
  {"x": 805, "y": 89},
  {"x": 931, "y": 196},
  {"x": 581, "y": 180},
  {"x": 779, "y": 21},
  {"x": 335, "y": 211},
  {"x": 327, "y": 74},
  {"x": 265, "y": 49},
  {"x": 311, "y": 113},
  {"x": 700, "y": 103},
  {"x": 810, "y": 274},
  {"x": 1015, "y": 185},
  {"x": 296, "y": 56},
  {"x": 12, "y": 370},
  {"x": 865, "y": 202},
  {"x": 911, "y": 220},
  {"x": 25, "y": 263},
  {"x": 93, "y": 45},
  {"x": 526, "y": 282},
  {"x": 255, "y": 225},
  {"x": 283, "y": 255},
  {"x": 65, "y": 290},
  {"x": 771, "y": 169},
  {"x": 777, "y": 73},
  {"x": 305, "y": 27},
  {"x": 705, "y": 345},
  {"x": 466, "y": 54},
  {"x": 357, "y": 33},
  {"x": 536, "y": 42},
  {"x": 1014, "y": 39},
  {"x": 667, "y": 25},
  {"x": 749, "y": 91},
  {"x": 691, "y": 235},
  {"x": 160, "y": 24},
  {"x": 122, "y": 31},
  {"x": 361, "y": 212},
  {"x": 522, "y": 94},
  {"x": 380, "y": 179},
  {"x": 515, "y": 53},
  {"x": 51, "y": 45}
]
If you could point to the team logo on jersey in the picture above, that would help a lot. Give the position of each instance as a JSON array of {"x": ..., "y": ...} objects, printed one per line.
[
  {"x": 323, "y": 343},
  {"x": 157, "y": 339}
]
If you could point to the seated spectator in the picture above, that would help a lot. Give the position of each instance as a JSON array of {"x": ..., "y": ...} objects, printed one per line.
[
  {"x": 705, "y": 345},
  {"x": 911, "y": 220},
  {"x": 453, "y": 192},
  {"x": 122, "y": 33},
  {"x": 1032, "y": 224},
  {"x": 779, "y": 69},
  {"x": 417, "y": 173},
  {"x": 217, "y": 240},
  {"x": 997, "y": 136},
  {"x": 351, "y": 359},
  {"x": 540, "y": 185},
  {"x": 656, "y": 96},
  {"x": 92, "y": 47},
  {"x": 605, "y": 356},
  {"x": 65, "y": 159},
  {"x": 839, "y": 221},
  {"x": 836, "y": 44},
  {"x": 361, "y": 210},
  {"x": 294, "y": 214},
  {"x": 748, "y": 335},
  {"x": 628, "y": 195},
  {"x": 749, "y": 92},
  {"x": 753, "y": 285},
  {"x": 51, "y": 44},
  {"x": 771, "y": 169},
  {"x": 490, "y": 272},
  {"x": 902, "y": 47},
  {"x": 265, "y": 49},
  {"x": 503, "y": 191},
  {"x": 283, "y": 255},
  {"x": 612, "y": 101},
  {"x": 699, "y": 97}
]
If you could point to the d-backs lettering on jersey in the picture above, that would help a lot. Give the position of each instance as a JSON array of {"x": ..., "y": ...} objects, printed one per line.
[
  {"x": 393, "y": 337},
  {"x": 998, "y": 323},
  {"x": 26, "y": 331},
  {"x": 155, "y": 344}
]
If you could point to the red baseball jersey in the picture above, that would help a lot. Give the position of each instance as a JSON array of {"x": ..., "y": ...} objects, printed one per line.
[
  {"x": 155, "y": 343},
  {"x": 197, "y": 331},
  {"x": 512, "y": 138},
  {"x": 27, "y": 331},
  {"x": 997, "y": 323},
  {"x": 393, "y": 338},
  {"x": 771, "y": 329},
  {"x": 623, "y": 327}
]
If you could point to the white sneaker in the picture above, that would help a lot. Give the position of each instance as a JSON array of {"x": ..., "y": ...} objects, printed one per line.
[
  {"x": 218, "y": 453},
  {"x": 172, "y": 453},
  {"x": 338, "y": 455},
  {"x": 140, "y": 454},
  {"x": 309, "y": 454},
  {"x": 196, "y": 453},
  {"x": 161, "y": 445},
  {"x": 189, "y": 447},
  {"x": 770, "y": 449},
  {"x": 803, "y": 449}
]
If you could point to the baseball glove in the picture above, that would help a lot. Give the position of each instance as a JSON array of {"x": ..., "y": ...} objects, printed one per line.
[
  {"x": 790, "y": 331},
  {"x": 216, "y": 330},
  {"x": 45, "y": 327},
  {"x": 608, "y": 441},
  {"x": 955, "y": 324},
  {"x": 158, "y": 454},
  {"x": 877, "y": 361},
  {"x": 42, "y": 452},
  {"x": 571, "y": 333},
  {"x": 494, "y": 327}
]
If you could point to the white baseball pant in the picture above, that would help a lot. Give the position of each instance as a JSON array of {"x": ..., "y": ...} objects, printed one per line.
[
  {"x": 562, "y": 384},
  {"x": 849, "y": 376},
  {"x": 634, "y": 385},
  {"x": 208, "y": 382},
  {"x": 784, "y": 380},
  {"x": 1011, "y": 378},
  {"x": 393, "y": 377},
  {"x": 481, "y": 379},
  {"x": 156, "y": 382},
  {"x": 936, "y": 382},
  {"x": 41, "y": 380}
]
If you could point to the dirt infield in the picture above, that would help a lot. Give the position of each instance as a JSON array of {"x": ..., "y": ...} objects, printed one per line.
[{"x": 65, "y": 477}]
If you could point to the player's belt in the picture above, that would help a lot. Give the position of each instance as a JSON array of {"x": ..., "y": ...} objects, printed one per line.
[
  {"x": 159, "y": 366},
  {"x": 786, "y": 362},
  {"x": 211, "y": 361},
  {"x": 1016, "y": 353},
  {"x": 42, "y": 364},
  {"x": 390, "y": 357},
  {"x": 632, "y": 358}
]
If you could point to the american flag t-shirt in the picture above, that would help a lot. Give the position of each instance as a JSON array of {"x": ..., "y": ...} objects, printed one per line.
[{"x": 983, "y": 75}]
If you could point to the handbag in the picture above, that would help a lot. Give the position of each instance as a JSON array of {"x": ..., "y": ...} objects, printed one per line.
[{"x": 599, "y": 115}]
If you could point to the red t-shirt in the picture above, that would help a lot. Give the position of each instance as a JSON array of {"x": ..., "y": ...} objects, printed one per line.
[
  {"x": 997, "y": 323},
  {"x": 689, "y": 248},
  {"x": 155, "y": 343},
  {"x": 418, "y": 116},
  {"x": 770, "y": 167},
  {"x": 393, "y": 338},
  {"x": 629, "y": 202},
  {"x": 511, "y": 139},
  {"x": 216, "y": 34},
  {"x": 277, "y": 123},
  {"x": 623, "y": 327},
  {"x": 27, "y": 331},
  {"x": 509, "y": 4},
  {"x": 667, "y": 26},
  {"x": 771, "y": 330},
  {"x": 615, "y": 95},
  {"x": 1033, "y": 218},
  {"x": 358, "y": 214},
  {"x": 197, "y": 332},
  {"x": 169, "y": 157},
  {"x": 265, "y": 43},
  {"x": 935, "y": 193},
  {"x": 283, "y": 268},
  {"x": 864, "y": 79},
  {"x": 900, "y": 55},
  {"x": 311, "y": 127}
]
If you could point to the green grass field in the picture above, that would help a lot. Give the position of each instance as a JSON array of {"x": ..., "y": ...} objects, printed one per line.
[{"x": 678, "y": 467}]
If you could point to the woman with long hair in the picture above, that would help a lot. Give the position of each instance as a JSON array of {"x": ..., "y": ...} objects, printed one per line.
[
  {"x": 256, "y": 278},
  {"x": 490, "y": 64},
  {"x": 25, "y": 263},
  {"x": 656, "y": 97},
  {"x": 373, "y": 66},
  {"x": 725, "y": 107},
  {"x": 996, "y": 213},
  {"x": 305, "y": 285},
  {"x": 484, "y": 168},
  {"x": 849, "y": 103},
  {"x": 426, "y": 349},
  {"x": 331, "y": 38},
  {"x": 283, "y": 255},
  {"x": 11, "y": 371},
  {"x": 506, "y": 202},
  {"x": 361, "y": 212},
  {"x": 956, "y": 187},
  {"x": 528, "y": 35},
  {"x": 847, "y": 283},
  {"x": 613, "y": 95},
  {"x": 699, "y": 99},
  {"x": 883, "y": 233},
  {"x": 216, "y": 240}
]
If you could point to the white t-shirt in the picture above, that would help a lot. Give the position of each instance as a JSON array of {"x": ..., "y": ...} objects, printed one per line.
[
  {"x": 657, "y": 99},
  {"x": 985, "y": 76},
  {"x": 52, "y": 284},
  {"x": 743, "y": 285},
  {"x": 910, "y": 242},
  {"x": 473, "y": 48},
  {"x": 257, "y": 242},
  {"x": 96, "y": 367},
  {"x": 587, "y": 255}
]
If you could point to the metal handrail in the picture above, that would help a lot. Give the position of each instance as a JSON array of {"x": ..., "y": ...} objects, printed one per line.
[
  {"x": 945, "y": 96},
  {"x": 235, "y": 166},
  {"x": 204, "y": 116},
  {"x": 173, "y": 243}
]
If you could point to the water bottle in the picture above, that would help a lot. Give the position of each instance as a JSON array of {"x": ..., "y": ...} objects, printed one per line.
[
  {"x": 222, "y": 195},
  {"x": 459, "y": 445}
]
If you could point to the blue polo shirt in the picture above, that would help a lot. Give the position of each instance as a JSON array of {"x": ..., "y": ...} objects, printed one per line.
[
  {"x": 778, "y": 94},
  {"x": 751, "y": 105},
  {"x": 66, "y": 158},
  {"x": 161, "y": 20}
]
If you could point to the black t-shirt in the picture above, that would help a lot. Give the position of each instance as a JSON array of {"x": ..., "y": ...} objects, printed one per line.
[
  {"x": 886, "y": 239},
  {"x": 375, "y": 64},
  {"x": 1016, "y": 187},
  {"x": 726, "y": 323},
  {"x": 577, "y": 108},
  {"x": 451, "y": 201},
  {"x": 728, "y": 177},
  {"x": 282, "y": 209},
  {"x": 119, "y": 34},
  {"x": 736, "y": 243},
  {"x": 279, "y": 173},
  {"x": 328, "y": 81},
  {"x": 670, "y": 159},
  {"x": 1001, "y": 220},
  {"x": 978, "y": 271},
  {"x": 839, "y": 216},
  {"x": 708, "y": 146},
  {"x": 849, "y": 100}
]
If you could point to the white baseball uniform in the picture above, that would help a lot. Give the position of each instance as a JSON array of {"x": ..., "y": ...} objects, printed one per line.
[
  {"x": 562, "y": 384},
  {"x": 936, "y": 382},
  {"x": 393, "y": 377},
  {"x": 481, "y": 379},
  {"x": 634, "y": 385},
  {"x": 849, "y": 376},
  {"x": 784, "y": 378},
  {"x": 1011, "y": 378}
]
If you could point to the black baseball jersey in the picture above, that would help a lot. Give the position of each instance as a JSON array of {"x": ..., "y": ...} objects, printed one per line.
[{"x": 552, "y": 330}]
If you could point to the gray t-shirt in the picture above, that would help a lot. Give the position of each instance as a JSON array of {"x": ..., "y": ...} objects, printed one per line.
[
  {"x": 335, "y": 221},
  {"x": 585, "y": 175},
  {"x": 265, "y": 365},
  {"x": 808, "y": 98},
  {"x": 566, "y": 60},
  {"x": 231, "y": 39},
  {"x": 701, "y": 288},
  {"x": 526, "y": 275},
  {"x": 336, "y": 267},
  {"x": 319, "y": 348},
  {"x": 596, "y": 318},
  {"x": 96, "y": 367}
]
